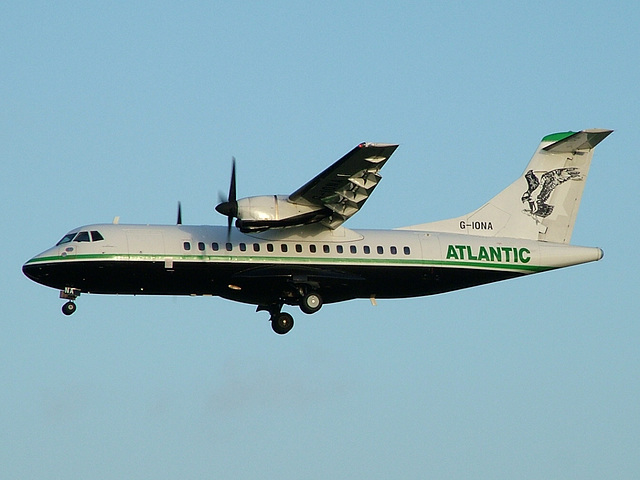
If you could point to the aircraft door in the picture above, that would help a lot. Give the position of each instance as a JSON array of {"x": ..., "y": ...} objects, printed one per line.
[
  {"x": 145, "y": 242},
  {"x": 430, "y": 244}
]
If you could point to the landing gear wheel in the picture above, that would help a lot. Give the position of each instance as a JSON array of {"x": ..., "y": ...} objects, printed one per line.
[
  {"x": 281, "y": 323},
  {"x": 68, "y": 308},
  {"x": 311, "y": 303}
]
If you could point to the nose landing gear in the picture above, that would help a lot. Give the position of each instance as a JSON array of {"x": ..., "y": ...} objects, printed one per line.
[
  {"x": 68, "y": 308},
  {"x": 69, "y": 294}
]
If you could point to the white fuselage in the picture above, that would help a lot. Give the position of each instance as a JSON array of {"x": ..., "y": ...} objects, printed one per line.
[{"x": 206, "y": 260}]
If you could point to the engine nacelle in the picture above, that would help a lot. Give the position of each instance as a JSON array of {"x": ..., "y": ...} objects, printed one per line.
[{"x": 274, "y": 211}]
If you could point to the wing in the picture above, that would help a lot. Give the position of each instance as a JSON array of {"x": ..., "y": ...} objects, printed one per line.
[{"x": 344, "y": 187}]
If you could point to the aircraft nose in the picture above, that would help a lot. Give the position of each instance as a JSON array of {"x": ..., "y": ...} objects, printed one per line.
[
  {"x": 30, "y": 271},
  {"x": 36, "y": 269}
]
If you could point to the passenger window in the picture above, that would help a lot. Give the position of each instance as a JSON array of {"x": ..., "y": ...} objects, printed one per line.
[
  {"x": 269, "y": 247},
  {"x": 339, "y": 248},
  {"x": 66, "y": 239},
  {"x": 187, "y": 245},
  {"x": 312, "y": 248},
  {"x": 366, "y": 249},
  {"x": 201, "y": 246},
  {"x": 82, "y": 237},
  {"x": 284, "y": 247},
  {"x": 243, "y": 247},
  {"x": 326, "y": 249},
  {"x": 229, "y": 247},
  {"x": 353, "y": 249},
  {"x": 96, "y": 236},
  {"x": 215, "y": 247},
  {"x": 256, "y": 247},
  {"x": 407, "y": 251},
  {"x": 380, "y": 250},
  {"x": 298, "y": 248},
  {"x": 393, "y": 250}
]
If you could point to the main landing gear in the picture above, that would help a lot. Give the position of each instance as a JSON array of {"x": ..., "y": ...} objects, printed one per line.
[
  {"x": 69, "y": 294},
  {"x": 282, "y": 322},
  {"x": 311, "y": 303}
]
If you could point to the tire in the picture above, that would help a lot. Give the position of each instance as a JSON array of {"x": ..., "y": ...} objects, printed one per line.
[
  {"x": 282, "y": 323},
  {"x": 68, "y": 308},
  {"x": 311, "y": 303}
]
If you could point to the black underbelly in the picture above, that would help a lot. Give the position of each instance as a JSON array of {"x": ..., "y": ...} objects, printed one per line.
[{"x": 229, "y": 280}]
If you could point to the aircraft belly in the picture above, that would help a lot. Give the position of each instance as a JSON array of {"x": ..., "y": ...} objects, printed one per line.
[
  {"x": 258, "y": 285},
  {"x": 365, "y": 282},
  {"x": 131, "y": 277},
  {"x": 404, "y": 282}
]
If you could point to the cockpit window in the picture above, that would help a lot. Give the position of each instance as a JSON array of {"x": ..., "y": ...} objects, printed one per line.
[
  {"x": 67, "y": 238},
  {"x": 82, "y": 237}
]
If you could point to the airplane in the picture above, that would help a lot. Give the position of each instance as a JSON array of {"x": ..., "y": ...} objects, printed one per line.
[{"x": 294, "y": 250}]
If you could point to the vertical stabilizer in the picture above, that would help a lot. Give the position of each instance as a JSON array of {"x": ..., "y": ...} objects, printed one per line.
[{"x": 543, "y": 203}]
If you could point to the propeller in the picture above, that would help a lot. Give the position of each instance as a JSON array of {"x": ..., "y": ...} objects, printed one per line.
[
  {"x": 229, "y": 207},
  {"x": 179, "y": 221}
]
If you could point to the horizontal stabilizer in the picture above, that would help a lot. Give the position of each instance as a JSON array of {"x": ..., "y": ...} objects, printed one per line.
[{"x": 572, "y": 142}]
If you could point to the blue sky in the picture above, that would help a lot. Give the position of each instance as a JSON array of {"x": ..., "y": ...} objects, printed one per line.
[{"x": 118, "y": 109}]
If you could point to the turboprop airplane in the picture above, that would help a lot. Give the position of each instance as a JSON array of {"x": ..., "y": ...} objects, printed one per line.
[{"x": 294, "y": 250}]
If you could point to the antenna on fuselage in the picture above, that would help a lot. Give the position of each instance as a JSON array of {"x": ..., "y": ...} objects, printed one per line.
[
  {"x": 116, "y": 220},
  {"x": 179, "y": 221}
]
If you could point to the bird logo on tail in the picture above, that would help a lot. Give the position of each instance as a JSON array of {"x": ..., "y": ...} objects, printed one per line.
[{"x": 540, "y": 189}]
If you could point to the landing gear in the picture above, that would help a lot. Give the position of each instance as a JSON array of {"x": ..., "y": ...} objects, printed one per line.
[
  {"x": 281, "y": 323},
  {"x": 311, "y": 303},
  {"x": 68, "y": 308},
  {"x": 69, "y": 294}
]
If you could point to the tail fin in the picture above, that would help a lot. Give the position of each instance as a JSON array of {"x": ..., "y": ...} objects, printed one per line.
[{"x": 543, "y": 203}]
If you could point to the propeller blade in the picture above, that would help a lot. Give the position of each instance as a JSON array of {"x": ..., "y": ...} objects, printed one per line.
[
  {"x": 179, "y": 222},
  {"x": 229, "y": 207},
  {"x": 232, "y": 187}
]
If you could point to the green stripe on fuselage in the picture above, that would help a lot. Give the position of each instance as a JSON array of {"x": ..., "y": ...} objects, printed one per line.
[{"x": 252, "y": 259}]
